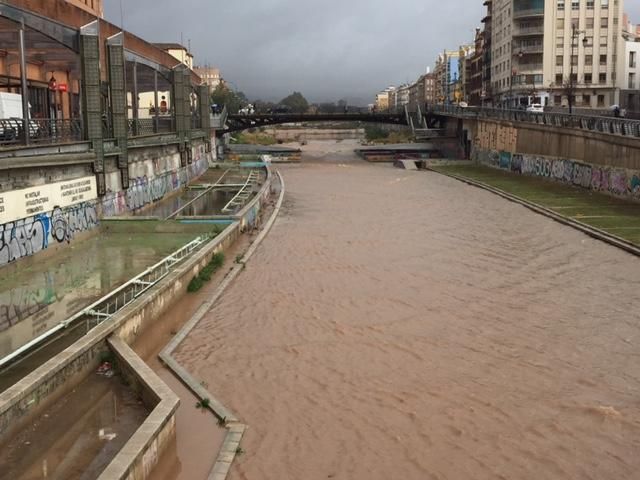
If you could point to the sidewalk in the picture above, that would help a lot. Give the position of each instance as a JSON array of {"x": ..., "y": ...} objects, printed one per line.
[{"x": 614, "y": 216}]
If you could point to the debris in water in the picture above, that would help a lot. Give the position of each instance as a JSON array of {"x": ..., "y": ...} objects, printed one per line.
[
  {"x": 106, "y": 434},
  {"x": 105, "y": 369}
]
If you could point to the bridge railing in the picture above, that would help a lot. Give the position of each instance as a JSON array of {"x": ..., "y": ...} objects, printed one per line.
[{"x": 609, "y": 125}]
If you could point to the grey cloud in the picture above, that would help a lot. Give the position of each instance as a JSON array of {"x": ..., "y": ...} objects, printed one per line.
[{"x": 327, "y": 49}]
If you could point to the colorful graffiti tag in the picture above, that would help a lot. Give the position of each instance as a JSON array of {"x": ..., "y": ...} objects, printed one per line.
[
  {"x": 28, "y": 236},
  {"x": 143, "y": 190},
  {"x": 615, "y": 181}
]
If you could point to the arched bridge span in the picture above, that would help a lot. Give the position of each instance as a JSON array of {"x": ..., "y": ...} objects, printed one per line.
[{"x": 237, "y": 123}]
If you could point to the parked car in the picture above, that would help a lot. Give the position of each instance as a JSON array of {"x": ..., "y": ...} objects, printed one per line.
[{"x": 535, "y": 108}]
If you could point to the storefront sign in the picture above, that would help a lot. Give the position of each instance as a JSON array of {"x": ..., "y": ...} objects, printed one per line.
[{"x": 25, "y": 203}]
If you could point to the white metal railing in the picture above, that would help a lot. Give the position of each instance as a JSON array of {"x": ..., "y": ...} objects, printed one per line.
[
  {"x": 243, "y": 195},
  {"x": 107, "y": 306}
]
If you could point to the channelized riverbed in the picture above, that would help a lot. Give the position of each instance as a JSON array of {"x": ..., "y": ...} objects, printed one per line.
[{"x": 404, "y": 325}]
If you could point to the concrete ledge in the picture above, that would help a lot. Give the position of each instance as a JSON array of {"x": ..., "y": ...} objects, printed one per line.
[
  {"x": 141, "y": 453},
  {"x": 47, "y": 160},
  {"x": 584, "y": 228},
  {"x": 235, "y": 430}
]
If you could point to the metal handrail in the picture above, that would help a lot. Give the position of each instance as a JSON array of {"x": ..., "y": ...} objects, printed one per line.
[
  {"x": 41, "y": 130},
  {"x": 602, "y": 124},
  {"x": 107, "y": 306}
]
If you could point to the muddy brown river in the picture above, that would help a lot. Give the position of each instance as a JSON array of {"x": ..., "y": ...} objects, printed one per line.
[{"x": 403, "y": 325}]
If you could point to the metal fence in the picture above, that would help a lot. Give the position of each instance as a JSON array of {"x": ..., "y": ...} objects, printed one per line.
[
  {"x": 41, "y": 131},
  {"x": 109, "y": 305},
  {"x": 610, "y": 125},
  {"x": 150, "y": 126}
]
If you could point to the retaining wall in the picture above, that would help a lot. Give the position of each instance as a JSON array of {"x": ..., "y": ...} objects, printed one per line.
[
  {"x": 36, "y": 392},
  {"x": 154, "y": 173},
  {"x": 600, "y": 162}
]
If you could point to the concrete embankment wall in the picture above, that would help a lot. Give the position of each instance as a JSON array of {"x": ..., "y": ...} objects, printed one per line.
[
  {"x": 35, "y": 393},
  {"x": 46, "y": 207},
  {"x": 596, "y": 161}
]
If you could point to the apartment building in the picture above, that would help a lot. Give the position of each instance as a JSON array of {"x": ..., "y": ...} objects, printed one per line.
[
  {"x": 583, "y": 43},
  {"x": 447, "y": 75},
  {"x": 486, "y": 93},
  {"x": 177, "y": 51},
  {"x": 630, "y": 66},
  {"x": 210, "y": 76},
  {"x": 544, "y": 50},
  {"x": 382, "y": 99}
]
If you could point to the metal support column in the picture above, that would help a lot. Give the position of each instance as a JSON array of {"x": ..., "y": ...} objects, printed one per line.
[
  {"x": 156, "y": 117},
  {"x": 25, "y": 88},
  {"x": 135, "y": 100},
  {"x": 91, "y": 97},
  {"x": 205, "y": 115},
  {"x": 115, "y": 53}
]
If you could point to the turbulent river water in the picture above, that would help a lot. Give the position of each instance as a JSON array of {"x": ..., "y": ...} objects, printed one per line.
[{"x": 403, "y": 325}]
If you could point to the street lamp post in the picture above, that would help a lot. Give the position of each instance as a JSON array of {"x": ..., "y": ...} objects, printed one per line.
[
  {"x": 514, "y": 72},
  {"x": 575, "y": 33}
]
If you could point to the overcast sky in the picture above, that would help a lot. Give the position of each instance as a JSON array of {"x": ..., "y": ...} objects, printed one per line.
[{"x": 327, "y": 49}]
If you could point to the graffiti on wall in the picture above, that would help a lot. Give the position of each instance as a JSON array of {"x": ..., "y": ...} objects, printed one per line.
[
  {"x": 619, "y": 182},
  {"x": 144, "y": 190},
  {"x": 492, "y": 136},
  {"x": 31, "y": 235}
]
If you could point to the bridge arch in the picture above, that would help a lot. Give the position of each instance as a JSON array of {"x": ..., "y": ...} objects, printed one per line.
[{"x": 237, "y": 123}]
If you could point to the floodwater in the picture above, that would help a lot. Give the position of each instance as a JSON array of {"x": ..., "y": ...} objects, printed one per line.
[
  {"x": 210, "y": 203},
  {"x": 79, "y": 436},
  {"x": 35, "y": 299},
  {"x": 403, "y": 325},
  {"x": 165, "y": 208}
]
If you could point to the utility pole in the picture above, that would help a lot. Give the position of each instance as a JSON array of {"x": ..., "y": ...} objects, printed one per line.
[{"x": 575, "y": 33}]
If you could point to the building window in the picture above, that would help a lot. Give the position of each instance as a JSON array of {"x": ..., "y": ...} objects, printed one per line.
[
  {"x": 574, "y": 60},
  {"x": 590, "y": 4},
  {"x": 559, "y": 60},
  {"x": 632, "y": 59},
  {"x": 575, "y": 4},
  {"x": 603, "y": 41},
  {"x": 560, "y": 42},
  {"x": 575, "y": 23},
  {"x": 588, "y": 78},
  {"x": 590, "y": 22},
  {"x": 560, "y": 23},
  {"x": 604, "y": 22},
  {"x": 603, "y": 60},
  {"x": 588, "y": 60},
  {"x": 558, "y": 79},
  {"x": 557, "y": 100},
  {"x": 602, "y": 78},
  {"x": 600, "y": 101},
  {"x": 604, "y": 4},
  {"x": 632, "y": 81},
  {"x": 560, "y": 4},
  {"x": 586, "y": 100}
]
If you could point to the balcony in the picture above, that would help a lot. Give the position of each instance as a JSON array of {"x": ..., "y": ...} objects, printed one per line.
[
  {"x": 528, "y": 50},
  {"x": 528, "y": 31},
  {"x": 529, "y": 68},
  {"x": 528, "y": 13}
]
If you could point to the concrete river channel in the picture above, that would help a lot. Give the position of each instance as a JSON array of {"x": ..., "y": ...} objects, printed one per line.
[
  {"x": 393, "y": 324},
  {"x": 37, "y": 297}
]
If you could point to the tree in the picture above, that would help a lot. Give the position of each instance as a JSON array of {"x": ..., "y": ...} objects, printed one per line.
[
  {"x": 223, "y": 95},
  {"x": 296, "y": 102}
]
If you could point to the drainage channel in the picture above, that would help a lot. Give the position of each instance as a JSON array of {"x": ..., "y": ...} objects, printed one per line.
[{"x": 32, "y": 352}]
